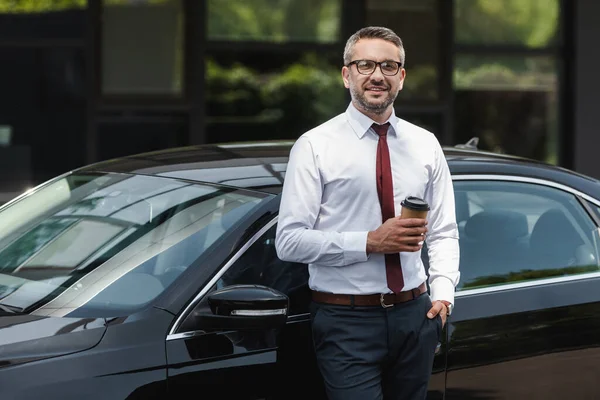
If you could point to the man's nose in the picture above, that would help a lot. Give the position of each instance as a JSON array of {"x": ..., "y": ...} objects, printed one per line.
[{"x": 377, "y": 75}]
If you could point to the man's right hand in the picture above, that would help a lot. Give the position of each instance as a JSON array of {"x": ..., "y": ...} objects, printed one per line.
[{"x": 396, "y": 235}]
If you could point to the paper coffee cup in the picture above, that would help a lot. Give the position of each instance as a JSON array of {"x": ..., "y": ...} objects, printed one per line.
[{"x": 414, "y": 207}]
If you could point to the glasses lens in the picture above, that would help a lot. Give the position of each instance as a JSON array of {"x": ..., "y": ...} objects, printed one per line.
[
  {"x": 365, "y": 66},
  {"x": 389, "y": 67}
]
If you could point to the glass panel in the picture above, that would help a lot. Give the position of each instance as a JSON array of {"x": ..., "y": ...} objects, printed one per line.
[
  {"x": 44, "y": 116},
  {"x": 20, "y": 251},
  {"x": 274, "y": 20},
  {"x": 142, "y": 47},
  {"x": 417, "y": 23},
  {"x": 529, "y": 23},
  {"x": 73, "y": 246},
  {"x": 49, "y": 19},
  {"x": 595, "y": 209},
  {"x": 259, "y": 265},
  {"x": 102, "y": 243},
  {"x": 510, "y": 103},
  {"x": 137, "y": 132},
  {"x": 513, "y": 232},
  {"x": 267, "y": 95}
]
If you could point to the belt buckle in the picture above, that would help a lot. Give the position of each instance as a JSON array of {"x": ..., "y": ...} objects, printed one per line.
[{"x": 382, "y": 301}]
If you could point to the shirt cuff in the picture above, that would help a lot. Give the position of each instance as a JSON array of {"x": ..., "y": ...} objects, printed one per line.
[
  {"x": 355, "y": 247},
  {"x": 442, "y": 289}
]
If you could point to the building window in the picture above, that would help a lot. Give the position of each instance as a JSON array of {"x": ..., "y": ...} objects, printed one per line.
[
  {"x": 506, "y": 76},
  {"x": 315, "y": 21},
  {"x": 265, "y": 94},
  {"x": 142, "y": 48},
  {"x": 121, "y": 134},
  {"x": 269, "y": 73},
  {"x": 417, "y": 23},
  {"x": 509, "y": 102}
]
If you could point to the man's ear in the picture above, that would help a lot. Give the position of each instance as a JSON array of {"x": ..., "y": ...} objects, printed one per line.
[{"x": 346, "y": 76}]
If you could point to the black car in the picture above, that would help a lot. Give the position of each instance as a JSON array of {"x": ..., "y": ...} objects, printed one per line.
[{"x": 155, "y": 276}]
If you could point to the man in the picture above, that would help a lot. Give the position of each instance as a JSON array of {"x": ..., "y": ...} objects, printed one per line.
[{"x": 375, "y": 327}]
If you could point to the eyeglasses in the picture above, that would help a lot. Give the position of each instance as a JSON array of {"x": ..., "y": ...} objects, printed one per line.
[{"x": 367, "y": 67}]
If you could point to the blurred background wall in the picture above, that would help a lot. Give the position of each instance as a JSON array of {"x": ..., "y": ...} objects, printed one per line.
[{"x": 88, "y": 80}]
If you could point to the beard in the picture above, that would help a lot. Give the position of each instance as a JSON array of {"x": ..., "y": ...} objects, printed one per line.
[{"x": 376, "y": 108}]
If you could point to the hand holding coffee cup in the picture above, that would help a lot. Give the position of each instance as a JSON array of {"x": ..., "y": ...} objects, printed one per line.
[
  {"x": 414, "y": 207},
  {"x": 404, "y": 233}
]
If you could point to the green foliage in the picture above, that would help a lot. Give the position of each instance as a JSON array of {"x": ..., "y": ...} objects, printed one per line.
[
  {"x": 274, "y": 20},
  {"x": 421, "y": 82},
  {"x": 532, "y": 23},
  {"x": 308, "y": 92},
  {"x": 297, "y": 96},
  {"x": 41, "y": 6},
  {"x": 234, "y": 90},
  {"x": 38, "y": 6}
]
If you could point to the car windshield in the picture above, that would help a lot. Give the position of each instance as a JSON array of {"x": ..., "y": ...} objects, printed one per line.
[{"x": 108, "y": 242}]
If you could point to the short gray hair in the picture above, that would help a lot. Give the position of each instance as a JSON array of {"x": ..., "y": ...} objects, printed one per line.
[{"x": 373, "y": 32}]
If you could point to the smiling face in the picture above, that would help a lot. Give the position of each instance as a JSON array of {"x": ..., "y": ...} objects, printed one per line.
[{"x": 374, "y": 94}]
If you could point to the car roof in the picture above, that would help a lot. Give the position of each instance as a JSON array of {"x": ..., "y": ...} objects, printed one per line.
[{"x": 261, "y": 165}]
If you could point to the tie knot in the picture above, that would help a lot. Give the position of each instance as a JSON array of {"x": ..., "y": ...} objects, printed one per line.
[{"x": 381, "y": 130}]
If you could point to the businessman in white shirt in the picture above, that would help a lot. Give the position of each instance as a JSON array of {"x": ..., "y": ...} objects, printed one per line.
[{"x": 375, "y": 326}]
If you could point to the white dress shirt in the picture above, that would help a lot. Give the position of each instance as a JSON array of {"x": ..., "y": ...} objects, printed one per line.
[{"x": 330, "y": 203}]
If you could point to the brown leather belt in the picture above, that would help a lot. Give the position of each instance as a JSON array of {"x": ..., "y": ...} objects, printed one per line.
[{"x": 383, "y": 300}]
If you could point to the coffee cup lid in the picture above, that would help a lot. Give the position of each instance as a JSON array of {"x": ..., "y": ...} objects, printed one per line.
[{"x": 415, "y": 203}]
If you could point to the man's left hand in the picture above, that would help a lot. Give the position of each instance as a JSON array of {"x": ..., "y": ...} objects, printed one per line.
[{"x": 437, "y": 307}]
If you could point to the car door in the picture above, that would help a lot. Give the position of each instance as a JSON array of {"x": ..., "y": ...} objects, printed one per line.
[
  {"x": 274, "y": 365},
  {"x": 234, "y": 364},
  {"x": 527, "y": 317},
  {"x": 284, "y": 365},
  {"x": 297, "y": 376}
]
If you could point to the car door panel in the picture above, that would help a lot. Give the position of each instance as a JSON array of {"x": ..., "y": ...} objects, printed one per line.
[
  {"x": 536, "y": 341},
  {"x": 221, "y": 362},
  {"x": 299, "y": 375},
  {"x": 238, "y": 364},
  {"x": 527, "y": 311}
]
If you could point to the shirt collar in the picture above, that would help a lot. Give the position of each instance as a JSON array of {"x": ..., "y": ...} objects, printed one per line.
[{"x": 361, "y": 124}]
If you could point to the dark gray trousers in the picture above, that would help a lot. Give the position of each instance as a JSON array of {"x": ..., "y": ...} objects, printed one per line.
[{"x": 374, "y": 353}]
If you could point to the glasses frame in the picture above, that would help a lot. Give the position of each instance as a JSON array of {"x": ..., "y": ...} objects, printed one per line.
[{"x": 377, "y": 64}]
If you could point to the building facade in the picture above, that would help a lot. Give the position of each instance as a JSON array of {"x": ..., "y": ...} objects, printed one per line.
[{"x": 89, "y": 80}]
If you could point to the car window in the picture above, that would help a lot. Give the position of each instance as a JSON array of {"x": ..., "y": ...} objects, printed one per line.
[
  {"x": 513, "y": 232},
  {"x": 595, "y": 210},
  {"x": 260, "y": 265},
  {"x": 105, "y": 244}
]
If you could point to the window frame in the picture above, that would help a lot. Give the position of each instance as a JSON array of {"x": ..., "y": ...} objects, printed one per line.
[
  {"x": 174, "y": 333},
  {"x": 580, "y": 196},
  {"x": 268, "y": 238},
  {"x": 594, "y": 211}
]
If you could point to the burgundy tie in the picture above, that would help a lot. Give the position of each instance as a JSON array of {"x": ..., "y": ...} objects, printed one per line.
[{"x": 385, "y": 190}]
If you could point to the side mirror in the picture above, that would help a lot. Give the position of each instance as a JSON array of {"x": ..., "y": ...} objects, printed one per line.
[{"x": 244, "y": 307}]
